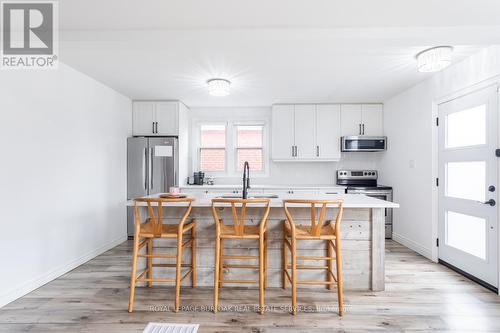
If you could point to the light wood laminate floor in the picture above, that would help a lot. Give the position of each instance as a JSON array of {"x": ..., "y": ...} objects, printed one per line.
[{"x": 420, "y": 296}]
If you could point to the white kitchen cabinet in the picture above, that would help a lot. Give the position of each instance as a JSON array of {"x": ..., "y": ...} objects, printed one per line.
[
  {"x": 305, "y": 132},
  {"x": 167, "y": 118},
  {"x": 328, "y": 132},
  {"x": 143, "y": 118},
  {"x": 289, "y": 192},
  {"x": 350, "y": 122},
  {"x": 362, "y": 119},
  {"x": 283, "y": 138},
  {"x": 159, "y": 118},
  {"x": 304, "y": 125},
  {"x": 331, "y": 191},
  {"x": 372, "y": 119}
]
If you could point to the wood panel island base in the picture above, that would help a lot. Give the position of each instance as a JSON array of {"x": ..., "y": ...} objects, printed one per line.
[{"x": 362, "y": 235}]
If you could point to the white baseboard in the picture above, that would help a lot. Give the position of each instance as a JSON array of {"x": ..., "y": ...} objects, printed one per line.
[
  {"x": 413, "y": 245},
  {"x": 27, "y": 287}
]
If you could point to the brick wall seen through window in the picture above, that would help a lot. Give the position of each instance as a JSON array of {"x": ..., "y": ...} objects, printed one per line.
[{"x": 213, "y": 148}]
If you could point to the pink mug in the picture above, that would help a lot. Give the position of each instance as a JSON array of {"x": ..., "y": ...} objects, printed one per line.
[{"x": 174, "y": 190}]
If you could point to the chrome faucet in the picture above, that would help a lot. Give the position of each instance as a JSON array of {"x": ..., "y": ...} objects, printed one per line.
[{"x": 246, "y": 179}]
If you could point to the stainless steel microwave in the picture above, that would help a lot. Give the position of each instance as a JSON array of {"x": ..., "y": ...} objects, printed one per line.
[{"x": 363, "y": 143}]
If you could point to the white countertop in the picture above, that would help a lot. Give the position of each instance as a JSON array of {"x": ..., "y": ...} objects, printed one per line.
[
  {"x": 350, "y": 200},
  {"x": 252, "y": 186}
]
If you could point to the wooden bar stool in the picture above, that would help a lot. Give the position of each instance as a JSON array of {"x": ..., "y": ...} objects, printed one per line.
[
  {"x": 154, "y": 228},
  {"x": 240, "y": 231},
  {"x": 317, "y": 230}
]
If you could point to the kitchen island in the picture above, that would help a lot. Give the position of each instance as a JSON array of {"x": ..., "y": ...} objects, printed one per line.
[{"x": 362, "y": 234}]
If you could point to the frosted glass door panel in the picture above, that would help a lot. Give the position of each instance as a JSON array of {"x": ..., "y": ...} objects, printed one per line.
[
  {"x": 466, "y": 128},
  {"x": 466, "y": 233},
  {"x": 466, "y": 180}
]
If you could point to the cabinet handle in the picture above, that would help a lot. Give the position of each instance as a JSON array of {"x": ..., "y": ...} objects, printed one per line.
[
  {"x": 153, "y": 130},
  {"x": 296, "y": 151},
  {"x": 363, "y": 129},
  {"x": 293, "y": 151},
  {"x": 156, "y": 127},
  {"x": 360, "y": 129},
  {"x": 317, "y": 151}
]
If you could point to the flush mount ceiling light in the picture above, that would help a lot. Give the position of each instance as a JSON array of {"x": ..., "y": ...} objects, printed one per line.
[
  {"x": 219, "y": 87},
  {"x": 434, "y": 59}
]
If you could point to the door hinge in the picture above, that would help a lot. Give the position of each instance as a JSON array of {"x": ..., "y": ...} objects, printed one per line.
[
  {"x": 437, "y": 182},
  {"x": 437, "y": 121},
  {"x": 437, "y": 242}
]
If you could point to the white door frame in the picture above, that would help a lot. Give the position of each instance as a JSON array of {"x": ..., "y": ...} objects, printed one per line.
[{"x": 494, "y": 81}]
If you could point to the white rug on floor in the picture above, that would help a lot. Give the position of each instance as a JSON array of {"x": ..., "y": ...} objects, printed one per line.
[{"x": 171, "y": 328}]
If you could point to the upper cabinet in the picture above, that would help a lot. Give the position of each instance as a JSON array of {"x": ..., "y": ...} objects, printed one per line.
[
  {"x": 306, "y": 132},
  {"x": 283, "y": 132},
  {"x": 328, "y": 131},
  {"x": 159, "y": 118},
  {"x": 362, "y": 119}
]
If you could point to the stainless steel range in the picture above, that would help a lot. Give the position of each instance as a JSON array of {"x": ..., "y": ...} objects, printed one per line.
[{"x": 365, "y": 182}]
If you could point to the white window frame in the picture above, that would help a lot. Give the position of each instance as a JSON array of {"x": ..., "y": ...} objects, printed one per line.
[
  {"x": 235, "y": 148},
  {"x": 197, "y": 151},
  {"x": 231, "y": 148}
]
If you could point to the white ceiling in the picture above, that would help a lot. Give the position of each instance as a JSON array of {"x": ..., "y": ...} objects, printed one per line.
[{"x": 272, "y": 51}]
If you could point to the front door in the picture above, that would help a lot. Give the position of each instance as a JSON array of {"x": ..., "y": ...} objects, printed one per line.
[{"x": 468, "y": 184}]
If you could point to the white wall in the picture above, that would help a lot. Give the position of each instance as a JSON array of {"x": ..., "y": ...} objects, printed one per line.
[
  {"x": 62, "y": 174},
  {"x": 409, "y": 124},
  {"x": 281, "y": 173}
]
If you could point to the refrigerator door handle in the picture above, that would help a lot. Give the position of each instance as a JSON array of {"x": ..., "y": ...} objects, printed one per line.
[
  {"x": 144, "y": 169},
  {"x": 151, "y": 169}
]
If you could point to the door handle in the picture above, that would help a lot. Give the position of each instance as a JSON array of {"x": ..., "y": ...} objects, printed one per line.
[
  {"x": 490, "y": 202},
  {"x": 151, "y": 168},
  {"x": 144, "y": 168}
]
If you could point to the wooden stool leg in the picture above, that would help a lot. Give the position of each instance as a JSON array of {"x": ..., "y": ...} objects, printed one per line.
[
  {"x": 294, "y": 276},
  {"x": 133, "y": 272},
  {"x": 178, "y": 273},
  {"x": 193, "y": 256},
  {"x": 284, "y": 259},
  {"x": 150, "y": 262},
  {"x": 216, "y": 273},
  {"x": 329, "y": 263},
  {"x": 261, "y": 274},
  {"x": 221, "y": 263},
  {"x": 338, "y": 259},
  {"x": 265, "y": 260}
]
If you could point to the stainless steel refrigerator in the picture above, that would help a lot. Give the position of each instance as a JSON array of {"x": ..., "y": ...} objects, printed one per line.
[{"x": 152, "y": 164}]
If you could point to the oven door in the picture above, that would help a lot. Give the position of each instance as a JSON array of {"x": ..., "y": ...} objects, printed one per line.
[
  {"x": 364, "y": 143},
  {"x": 382, "y": 195}
]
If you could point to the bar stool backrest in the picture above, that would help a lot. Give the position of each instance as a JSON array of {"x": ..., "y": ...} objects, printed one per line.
[
  {"x": 316, "y": 224},
  {"x": 239, "y": 218},
  {"x": 155, "y": 211}
]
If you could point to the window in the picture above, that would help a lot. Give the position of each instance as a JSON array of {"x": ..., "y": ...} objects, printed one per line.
[
  {"x": 223, "y": 148},
  {"x": 249, "y": 147},
  {"x": 213, "y": 148}
]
